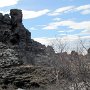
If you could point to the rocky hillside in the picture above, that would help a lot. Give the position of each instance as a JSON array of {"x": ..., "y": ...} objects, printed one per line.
[{"x": 29, "y": 65}]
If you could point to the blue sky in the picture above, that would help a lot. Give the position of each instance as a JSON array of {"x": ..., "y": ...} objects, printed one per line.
[{"x": 48, "y": 19}]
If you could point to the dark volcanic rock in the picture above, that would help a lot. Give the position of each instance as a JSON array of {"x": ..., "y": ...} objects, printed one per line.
[
  {"x": 1, "y": 17},
  {"x": 8, "y": 57},
  {"x": 6, "y": 19},
  {"x": 89, "y": 51},
  {"x": 16, "y": 36},
  {"x": 23, "y": 61},
  {"x": 27, "y": 76},
  {"x": 16, "y": 17}
]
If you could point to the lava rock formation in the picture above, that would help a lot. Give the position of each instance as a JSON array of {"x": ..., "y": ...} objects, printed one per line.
[{"x": 23, "y": 61}]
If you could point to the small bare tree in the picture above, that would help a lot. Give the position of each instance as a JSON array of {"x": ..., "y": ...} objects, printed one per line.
[{"x": 59, "y": 44}]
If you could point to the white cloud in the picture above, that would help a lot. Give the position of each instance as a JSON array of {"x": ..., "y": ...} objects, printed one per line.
[
  {"x": 67, "y": 38},
  {"x": 57, "y": 19},
  {"x": 62, "y": 31},
  {"x": 83, "y": 7},
  {"x": 63, "y": 34},
  {"x": 4, "y": 3},
  {"x": 70, "y": 38},
  {"x": 85, "y": 25},
  {"x": 47, "y": 41},
  {"x": 43, "y": 40},
  {"x": 61, "y": 10},
  {"x": 30, "y": 14},
  {"x": 66, "y": 31},
  {"x": 34, "y": 14},
  {"x": 86, "y": 11},
  {"x": 85, "y": 37},
  {"x": 86, "y": 31},
  {"x": 71, "y": 41},
  {"x": 4, "y": 12},
  {"x": 33, "y": 28}
]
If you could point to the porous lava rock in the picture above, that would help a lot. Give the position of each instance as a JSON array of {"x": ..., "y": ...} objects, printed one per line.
[{"x": 23, "y": 61}]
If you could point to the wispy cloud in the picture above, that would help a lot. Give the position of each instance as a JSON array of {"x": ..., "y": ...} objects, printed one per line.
[
  {"x": 48, "y": 41},
  {"x": 86, "y": 31},
  {"x": 84, "y": 25},
  {"x": 86, "y": 12},
  {"x": 30, "y": 14},
  {"x": 66, "y": 31},
  {"x": 62, "y": 31},
  {"x": 4, "y": 12},
  {"x": 43, "y": 40},
  {"x": 85, "y": 9},
  {"x": 34, "y": 14},
  {"x": 69, "y": 39},
  {"x": 33, "y": 28},
  {"x": 61, "y": 10},
  {"x": 57, "y": 19},
  {"x": 4, "y": 3}
]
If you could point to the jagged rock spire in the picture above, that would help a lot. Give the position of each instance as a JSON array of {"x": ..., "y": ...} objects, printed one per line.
[
  {"x": 16, "y": 16},
  {"x": 89, "y": 51}
]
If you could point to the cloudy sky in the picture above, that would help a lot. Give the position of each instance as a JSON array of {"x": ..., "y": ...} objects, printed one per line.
[{"x": 48, "y": 19}]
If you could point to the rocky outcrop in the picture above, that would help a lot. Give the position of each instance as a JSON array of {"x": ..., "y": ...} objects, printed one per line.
[
  {"x": 16, "y": 36},
  {"x": 89, "y": 51},
  {"x": 23, "y": 61},
  {"x": 27, "y": 76},
  {"x": 8, "y": 57}
]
